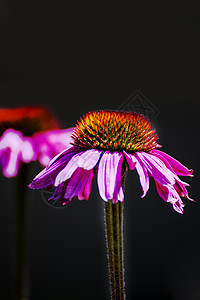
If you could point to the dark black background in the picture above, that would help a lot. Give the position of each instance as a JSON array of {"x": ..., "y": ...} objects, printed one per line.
[{"x": 81, "y": 57}]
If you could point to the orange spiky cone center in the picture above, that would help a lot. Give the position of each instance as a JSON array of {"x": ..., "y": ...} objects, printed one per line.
[
  {"x": 114, "y": 131},
  {"x": 28, "y": 120}
]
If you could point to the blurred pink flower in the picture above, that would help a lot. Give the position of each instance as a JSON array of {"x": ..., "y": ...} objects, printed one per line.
[{"x": 29, "y": 134}]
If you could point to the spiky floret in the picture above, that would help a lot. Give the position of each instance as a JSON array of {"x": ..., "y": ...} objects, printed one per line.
[
  {"x": 28, "y": 120},
  {"x": 114, "y": 131}
]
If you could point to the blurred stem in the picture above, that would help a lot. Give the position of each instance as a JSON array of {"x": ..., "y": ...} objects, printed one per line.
[
  {"x": 21, "y": 256},
  {"x": 114, "y": 236}
]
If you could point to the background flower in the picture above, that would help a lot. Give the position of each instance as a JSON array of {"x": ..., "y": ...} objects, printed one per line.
[{"x": 29, "y": 134}]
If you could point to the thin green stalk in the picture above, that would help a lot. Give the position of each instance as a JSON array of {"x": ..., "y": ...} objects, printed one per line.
[{"x": 114, "y": 234}]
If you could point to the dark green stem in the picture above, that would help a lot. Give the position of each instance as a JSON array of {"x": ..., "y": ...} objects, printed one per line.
[
  {"x": 21, "y": 255},
  {"x": 114, "y": 234}
]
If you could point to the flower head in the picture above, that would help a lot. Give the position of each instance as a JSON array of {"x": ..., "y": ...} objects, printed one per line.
[
  {"x": 107, "y": 143},
  {"x": 28, "y": 134},
  {"x": 114, "y": 131}
]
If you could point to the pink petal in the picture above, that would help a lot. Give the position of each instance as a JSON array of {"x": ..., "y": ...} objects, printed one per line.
[
  {"x": 59, "y": 192},
  {"x": 169, "y": 194},
  {"x": 87, "y": 189},
  {"x": 57, "y": 157},
  {"x": 48, "y": 175},
  {"x": 180, "y": 187},
  {"x": 109, "y": 176},
  {"x": 86, "y": 160},
  {"x": 178, "y": 206},
  {"x": 141, "y": 170},
  {"x": 131, "y": 160},
  {"x": 178, "y": 168},
  {"x": 77, "y": 183},
  {"x": 156, "y": 168}
]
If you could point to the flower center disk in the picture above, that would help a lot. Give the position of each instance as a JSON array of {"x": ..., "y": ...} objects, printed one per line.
[{"x": 114, "y": 131}]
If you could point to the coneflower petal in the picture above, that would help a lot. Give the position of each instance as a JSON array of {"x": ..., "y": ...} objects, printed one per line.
[
  {"x": 48, "y": 175},
  {"x": 77, "y": 183},
  {"x": 141, "y": 170},
  {"x": 156, "y": 168},
  {"x": 109, "y": 176},
  {"x": 178, "y": 168},
  {"x": 86, "y": 160},
  {"x": 169, "y": 194}
]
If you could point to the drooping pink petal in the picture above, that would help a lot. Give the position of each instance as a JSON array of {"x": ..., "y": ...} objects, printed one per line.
[
  {"x": 77, "y": 183},
  {"x": 179, "y": 184},
  {"x": 59, "y": 191},
  {"x": 180, "y": 187},
  {"x": 48, "y": 175},
  {"x": 109, "y": 176},
  {"x": 86, "y": 160},
  {"x": 87, "y": 189},
  {"x": 131, "y": 160},
  {"x": 178, "y": 168},
  {"x": 60, "y": 155},
  {"x": 141, "y": 170},
  {"x": 156, "y": 168},
  {"x": 169, "y": 194},
  {"x": 178, "y": 206}
]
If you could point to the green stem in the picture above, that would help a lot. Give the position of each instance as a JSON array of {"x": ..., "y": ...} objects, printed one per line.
[
  {"x": 21, "y": 255},
  {"x": 114, "y": 234}
]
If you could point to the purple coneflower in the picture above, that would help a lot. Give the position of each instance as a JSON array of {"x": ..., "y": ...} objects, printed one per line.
[
  {"x": 109, "y": 143},
  {"x": 113, "y": 142},
  {"x": 29, "y": 134}
]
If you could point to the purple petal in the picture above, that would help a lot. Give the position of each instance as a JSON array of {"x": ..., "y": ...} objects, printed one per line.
[
  {"x": 141, "y": 170},
  {"x": 59, "y": 156},
  {"x": 109, "y": 176},
  {"x": 48, "y": 175},
  {"x": 131, "y": 160},
  {"x": 87, "y": 189},
  {"x": 178, "y": 206},
  {"x": 77, "y": 183},
  {"x": 169, "y": 194},
  {"x": 59, "y": 191},
  {"x": 156, "y": 168},
  {"x": 86, "y": 160},
  {"x": 178, "y": 168},
  {"x": 180, "y": 187}
]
